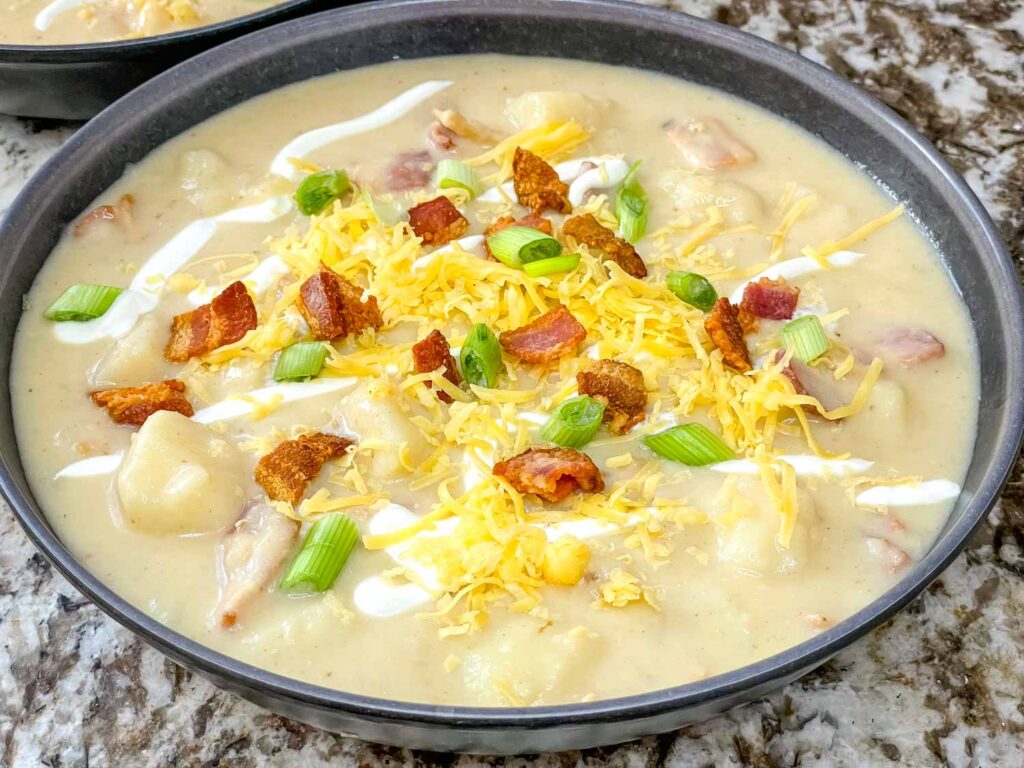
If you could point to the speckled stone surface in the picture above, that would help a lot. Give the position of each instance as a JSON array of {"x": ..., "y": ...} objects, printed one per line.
[{"x": 942, "y": 684}]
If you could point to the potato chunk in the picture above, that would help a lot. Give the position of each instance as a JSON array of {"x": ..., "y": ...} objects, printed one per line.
[
  {"x": 370, "y": 414},
  {"x": 181, "y": 477},
  {"x": 536, "y": 108},
  {"x": 134, "y": 359}
]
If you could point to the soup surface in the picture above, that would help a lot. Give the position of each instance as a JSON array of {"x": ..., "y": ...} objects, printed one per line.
[
  {"x": 614, "y": 467},
  {"x": 70, "y": 22}
]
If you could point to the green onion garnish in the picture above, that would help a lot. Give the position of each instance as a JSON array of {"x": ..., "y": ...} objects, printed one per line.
[
  {"x": 516, "y": 246},
  {"x": 82, "y": 302},
  {"x": 301, "y": 362},
  {"x": 565, "y": 263},
  {"x": 631, "y": 207},
  {"x": 457, "y": 174},
  {"x": 805, "y": 338},
  {"x": 384, "y": 211},
  {"x": 324, "y": 551},
  {"x": 575, "y": 422},
  {"x": 691, "y": 444},
  {"x": 694, "y": 289},
  {"x": 481, "y": 356},
  {"x": 318, "y": 190}
]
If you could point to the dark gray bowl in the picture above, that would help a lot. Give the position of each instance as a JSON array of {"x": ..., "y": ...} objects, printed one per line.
[
  {"x": 74, "y": 82},
  {"x": 603, "y": 31}
]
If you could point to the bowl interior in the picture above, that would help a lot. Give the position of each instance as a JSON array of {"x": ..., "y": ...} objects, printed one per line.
[{"x": 608, "y": 32}]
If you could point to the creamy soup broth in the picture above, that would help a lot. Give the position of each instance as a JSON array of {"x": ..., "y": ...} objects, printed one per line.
[
  {"x": 687, "y": 571},
  {"x": 68, "y": 22}
]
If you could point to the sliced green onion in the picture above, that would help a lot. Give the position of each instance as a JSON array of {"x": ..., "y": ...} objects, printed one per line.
[
  {"x": 320, "y": 189},
  {"x": 516, "y": 246},
  {"x": 457, "y": 174},
  {"x": 565, "y": 263},
  {"x": 301, "y": 362},
  {"x": 805, "y": 338},
  {"x": 384, "y": 211},
  {"x": 481, "y": 357},
  {"x": 82, "y": 302},
  {"x": 631, "y": 207},
  {"x": 324, "y": 551},
  {"x": 691, "y": 444},
  {"x": 575, "y": 422},
  {"x": 694, "y": 289}
]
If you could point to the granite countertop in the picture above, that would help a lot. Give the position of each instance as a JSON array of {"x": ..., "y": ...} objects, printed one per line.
[{"x": 941, "y": 684}]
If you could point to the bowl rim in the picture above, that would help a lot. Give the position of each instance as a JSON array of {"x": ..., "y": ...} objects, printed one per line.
[
  {"x": 788, "y": 663},
  {"x": 67, "y": 53}
]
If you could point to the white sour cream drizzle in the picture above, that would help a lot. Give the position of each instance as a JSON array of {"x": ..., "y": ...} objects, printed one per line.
[
  {"x": 608, "y": 175},
  {"x": 230, "y": 408},
  {"x": 570, "y": 172},
  {"x": 791, "y": 268},
  {"x": 319, "y": 137},
  {"x": 144, "y": 291},
  {"x": 925, "y": 492},
  {"x": 48, "y": 15},
  {"x": 805, "y": 466}
]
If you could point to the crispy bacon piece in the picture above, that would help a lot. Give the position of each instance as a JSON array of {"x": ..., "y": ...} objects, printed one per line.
[
  {"x": 589, "y": 231},
  {"x": 621, "y": 388},
  {"x": 119, "y": 213},
  {"x": 554, "y": 334},
  {"x": 770, "y": 299},
  {"x": 726, "y": 333},
  {"x": 224, "y": 320},
  {"x": 334, "y": 307},
  {"x": 706, "y": 144},
  {"x": 911, "y": 346},
  {"x": 529, "y": 220},
  {"x": 432, "y": 353},
  {"x": 464, "y": 127},
  {"x": 440, "y": 137},
  {"x": 437, "y": 221},
  {"x": 551, "y": 473},
  {"x": 287, "y": 471},
  {"x": 408, "y": 170},
  {"x": 133, "y": 405},
  {"x": 537, "y": 184}
]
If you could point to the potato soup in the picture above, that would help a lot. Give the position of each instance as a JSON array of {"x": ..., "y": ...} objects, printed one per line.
[{"x": 496, "y": 381}]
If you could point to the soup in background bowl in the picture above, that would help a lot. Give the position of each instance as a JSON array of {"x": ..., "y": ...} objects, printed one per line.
[{"x": 528, "y": 381}]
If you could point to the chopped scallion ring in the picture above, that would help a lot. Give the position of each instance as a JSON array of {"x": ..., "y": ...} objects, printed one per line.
[
  {"x": 692, "y": 444},
  {"x": 82, "y": 302},
  {"x": 516, "y": 246},
  {"x": 574, "y": 423},
  {"x": 384, "y": 211},
  {"x": 480, "y": 357},
  {"x": 565, "y": 263},
  {"x": 805, "y": 338},
  {"x": 301, "y": 362},
  {"x": 631, "y": 207},
  {"x": 324, "y": 551},
  {"x": 692, "y": 288},
  {"x": 455, "y": 174},
  {"x": 320, "y": 189}
]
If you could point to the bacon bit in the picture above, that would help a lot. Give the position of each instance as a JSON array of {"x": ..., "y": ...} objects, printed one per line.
[
  {"x": 706, "y": 144},
  {"x": 120, "y": 213},
  {"x": 466, "y": 128},
  {"x": 621, "y": 388},
  {"x": 532, "y": 220},
  {"x": 432, "y": 353},
  {"x": 537, "y": 184},
  {"x": 437, "y": 221},
  {"x": 726, "y": 333},
  {"x": 554, "y": 334},
  {"x": 790, "y": 373},
  {"x": 440, "y": 137},
  {"x": 817, "y": 621},
  {"x": 911, "y": 346},
  {"x": 334, "y": 307},
  {"x": 409, "y": 170},
  {"x": 589, "y": 231},
  {"x": 224, "y": 320},
  {"x": 133, "y": 405},
  {"x": 551, "y": 473},
  {"x": 287, "y": 471},
  {"x": 891, "y": 555},
  {"x": 770, "y": 299}
]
